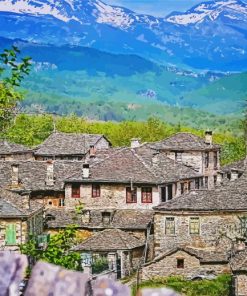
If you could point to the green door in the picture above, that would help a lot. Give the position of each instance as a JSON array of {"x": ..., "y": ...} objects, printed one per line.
[{"x": 11, "y": 234}]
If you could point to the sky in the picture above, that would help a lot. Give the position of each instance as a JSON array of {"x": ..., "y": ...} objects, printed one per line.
[{"x": 156, "y": 7}]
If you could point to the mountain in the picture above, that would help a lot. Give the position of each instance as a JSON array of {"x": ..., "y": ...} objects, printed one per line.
[{"x": 211, "y": 35}]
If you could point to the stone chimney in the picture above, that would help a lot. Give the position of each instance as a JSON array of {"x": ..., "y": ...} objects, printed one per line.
[
  {"x": 15, "y": 175},
  {"x": 92, "y": 151},
  {"x": 25, "y": 197},
  {"x": 85, "y": 170},
  {"x": 219, "y": 178},
  {"x": 135, "y": 143},
  {"x": 85, "y": 216},
  {"x": 50, "y": 173},
  {"x": 209, "y": 137},
  {"x": 234, "y": 174}
]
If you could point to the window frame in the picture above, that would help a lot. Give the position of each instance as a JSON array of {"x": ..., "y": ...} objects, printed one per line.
[
  {"x": 180, "y": 263},
  {"x": 147, "y": 195},
  {"x": 61, "y": 202},
  {"x": 166, "y": 226},
  {"x": 78, "y": 187},
  {"x": 129, "y": 191},
  {"x": 199, "y": 226},
  {"x": 96, "y": 190}
]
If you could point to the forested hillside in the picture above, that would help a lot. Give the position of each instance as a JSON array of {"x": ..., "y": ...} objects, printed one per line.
[{"x": 32, "y": 130}]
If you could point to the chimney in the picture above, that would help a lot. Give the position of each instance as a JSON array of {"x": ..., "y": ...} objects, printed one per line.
[
  {"x": 135, "y": 143},
  {"x": 155, "y": 159},
  {"x": 50, "y": 173},
  {"x": 25, "y": 197},
  {"x": 85, "y": 170},
  {"x": 209, "y": 137},
  {"x": 85, "y": 217},
  {"x": 15, "y": 175},
  {"x": 219, "y": 178},
  {"x": 234, "y": 174},
  {"x": 92, "y": 151}
]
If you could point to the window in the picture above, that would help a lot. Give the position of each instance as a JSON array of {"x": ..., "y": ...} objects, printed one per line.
[
  {"x": 131, "y": 195},
  {"x": 180, "y": 263},
  {"x": 75, "y": 191},
  {"x": 215, "y": 180},
  {"x": 170, "y": 193},
  {"x": 215, "y": 160},
  {"x": 206, "y": 182},
  {"x": 197, "y": 183},
  {"x": 10, "y": 236},
  {"x": 194, "y": 225},
  {"x": 95, "y": 190},
  {"x": 182, "y": 188},
  {"x": 163, "y": 194},
  {"x": 147, "y": 195},
  {"x": 170, "y": 226},
  {"x": 61, "y": 202},
  {"x": 106, "y": 217},
  {"x": 206, "y": 159}
]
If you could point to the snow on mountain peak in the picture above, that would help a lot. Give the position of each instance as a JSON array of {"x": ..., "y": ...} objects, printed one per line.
[{"x": 210, "y": 10}]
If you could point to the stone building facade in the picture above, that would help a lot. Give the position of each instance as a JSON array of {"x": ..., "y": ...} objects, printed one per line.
[
  {"x": 193, "y": 151},
  {"x": 186, "y": 262},
  {"x": 129, "y": 178},
  {"x": 19, "y": 217}
]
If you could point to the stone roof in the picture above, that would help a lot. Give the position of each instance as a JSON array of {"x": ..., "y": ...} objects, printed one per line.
[
  {"x": 12, "y": 205},
  {"x": 230, "y": 197},
  {"x": 110, "y": 240},
  {"x": 237, "y": 165},
  {"x": 204, "y": 255},
  {"x": 67, "y": 144},
  {"x": 141, "y": 165},
  {"x": 121, "y": 219},
  {"x": 32, "y": 174},
  {"x": 12, "y": 148},
  {"x": 239, "y": 261},
  {"x": 183, "y": 141}
]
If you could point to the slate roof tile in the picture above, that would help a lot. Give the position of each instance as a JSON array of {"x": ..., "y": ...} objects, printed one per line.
[{"x": 7, "y": 147}]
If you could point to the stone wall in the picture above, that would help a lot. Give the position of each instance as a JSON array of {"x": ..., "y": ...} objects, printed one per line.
[
  {"x": 240, "y": 284},
  {"x": 212, "y": 228},
  {"x": 112, "y": 197},
  {"x": 167, "y": 266}
]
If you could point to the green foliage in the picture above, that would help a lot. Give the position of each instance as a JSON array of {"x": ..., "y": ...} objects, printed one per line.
[
  {"x": 11, "y": 73},
  {"x": 58, "y": 250},
  {"x": 33, "y": 130},
  {"x": 99, "y": 265},
  {"x": 217, "y": 287}
]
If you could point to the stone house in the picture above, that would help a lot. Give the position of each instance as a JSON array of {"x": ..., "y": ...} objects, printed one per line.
[
  {"x": 196, "y": 152},
  {"x": 129, "y": 178},
  {"x": 187, "y": 262},
  {"x": 12, "y": 151},
  {"x": 208, "y": 221},
  {"x": 44, "y": 179},
  {"x": 19, "y": 217},
  {"x": 121, "y": 250},
  {"x": 239, "y": 271},
  {"x": 70, "y": 146}
]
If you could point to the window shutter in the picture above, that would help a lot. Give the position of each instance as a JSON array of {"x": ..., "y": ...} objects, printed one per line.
[{"x": 11, "y": 234}]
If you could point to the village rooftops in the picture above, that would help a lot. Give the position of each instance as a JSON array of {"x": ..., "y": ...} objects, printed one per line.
[
  {"x": 228, "y": 198},
  {"x": 7, "y": 148},
  {"x": 110, "y": 240},
  {"x": 32, "y": 175},
  {"x": 12, "y": 205},
  {"x": 68, "y": 144},
  {"x": 140, "y": 166},
  {"x": 121, "y": 219},
  {"x": 183, "y": 142},
  {"x": 237, "y": 165}
]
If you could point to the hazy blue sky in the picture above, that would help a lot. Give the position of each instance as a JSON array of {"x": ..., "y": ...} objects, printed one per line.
[{"x": 155, "y": 7}]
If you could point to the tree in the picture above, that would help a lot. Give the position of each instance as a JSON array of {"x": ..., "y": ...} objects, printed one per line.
[
  {"x": 58, "y": 250},
  {"x": 12, "y": 73}
]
